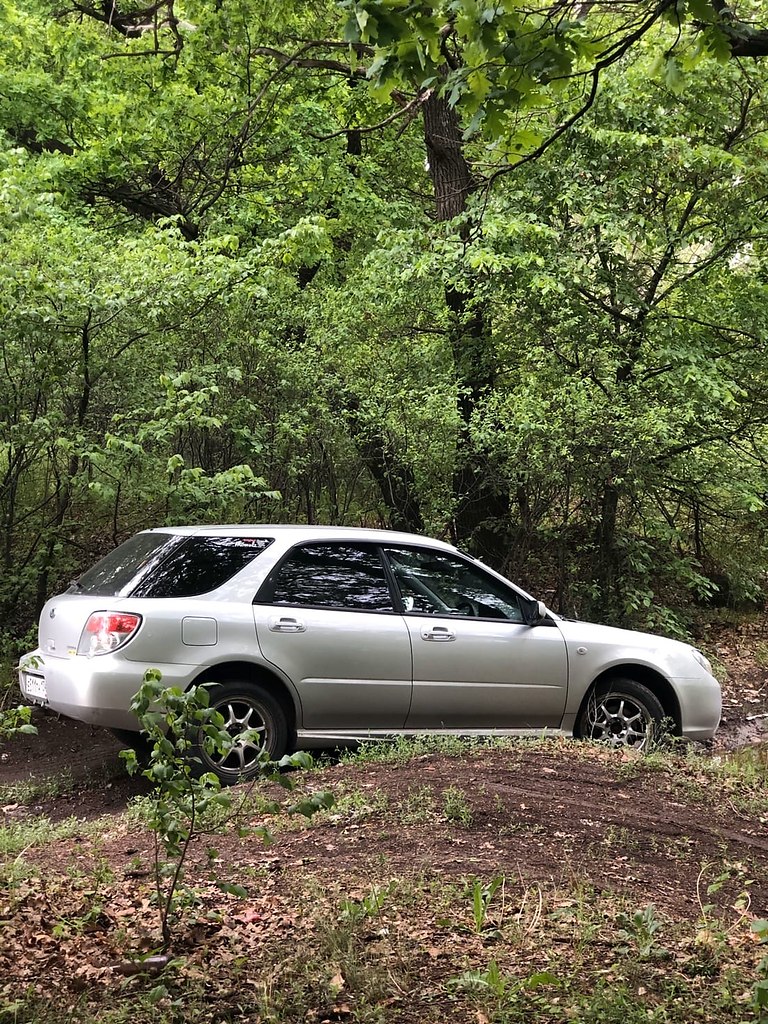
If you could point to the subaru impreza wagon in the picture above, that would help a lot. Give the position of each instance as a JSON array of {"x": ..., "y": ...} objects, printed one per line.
[{"x": 316, "y": 636}]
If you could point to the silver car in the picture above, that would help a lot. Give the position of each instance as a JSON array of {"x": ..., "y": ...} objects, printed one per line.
[{"x": 313, "y": 636}]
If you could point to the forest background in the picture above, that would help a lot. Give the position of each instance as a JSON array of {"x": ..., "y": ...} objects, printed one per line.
[{"x": 496, "y": 273}]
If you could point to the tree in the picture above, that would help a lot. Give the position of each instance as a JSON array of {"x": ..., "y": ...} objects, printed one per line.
[{"x": 338, "y": 293}]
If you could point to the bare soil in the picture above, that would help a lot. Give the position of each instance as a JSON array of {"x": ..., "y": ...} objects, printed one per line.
[{"x": 551, "y": 819}]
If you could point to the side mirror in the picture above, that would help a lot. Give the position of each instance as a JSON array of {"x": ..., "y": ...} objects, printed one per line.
[
  {"x": 543, "y": 612},
  {"x": 535, "y": 613}
]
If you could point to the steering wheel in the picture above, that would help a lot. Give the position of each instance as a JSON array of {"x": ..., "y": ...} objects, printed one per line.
[{"x": 467, "y": 607}]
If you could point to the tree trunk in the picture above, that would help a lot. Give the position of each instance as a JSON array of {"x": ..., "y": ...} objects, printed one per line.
[
  {"x": 607, "y": 551},
  {"x": 394, "y": 477},
  {"x": 449, "y": 170},
  {"x": 480, "y": 486}
]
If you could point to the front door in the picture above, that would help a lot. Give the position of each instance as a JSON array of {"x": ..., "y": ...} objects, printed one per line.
[{"x": 476, "y": 664}]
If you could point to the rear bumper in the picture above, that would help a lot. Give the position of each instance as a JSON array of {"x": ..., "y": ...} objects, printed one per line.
[{"x": 93, "y": 690}]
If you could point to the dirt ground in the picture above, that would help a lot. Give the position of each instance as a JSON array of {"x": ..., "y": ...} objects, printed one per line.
[{"x": 550, "y": 818}]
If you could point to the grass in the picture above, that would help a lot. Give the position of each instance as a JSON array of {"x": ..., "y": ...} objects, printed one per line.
[
  {"x": 739, "y": 778},
  {"x": 356, "y": 804},
  {"x": 556, "y": 955},
  {"x": 403, "y": 749},
  {"x": 367, "y": 945},
  {"x": 16, "y": 837},
  {"x": 406, "y": 748},
  {"x": 33, "y": 791},
  {"x": 418, "y": 806}
]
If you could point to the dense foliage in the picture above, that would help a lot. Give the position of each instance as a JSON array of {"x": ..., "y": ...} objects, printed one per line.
[{"x": 239, "y": 284}]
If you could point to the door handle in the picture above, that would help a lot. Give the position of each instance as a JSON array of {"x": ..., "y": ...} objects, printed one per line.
[
  {"x": 285, "y": 624},
  {"x": 439, "y": 633}
]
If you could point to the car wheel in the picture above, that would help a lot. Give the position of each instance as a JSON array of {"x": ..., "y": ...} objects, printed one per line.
[
  {"x": 622, "y": 713},
  {"x": 135, "y": 741},
  {"x": 245, "y": 707}
]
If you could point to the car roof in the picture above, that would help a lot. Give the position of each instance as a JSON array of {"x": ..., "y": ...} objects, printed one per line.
[{"x": 299, "y": 532}]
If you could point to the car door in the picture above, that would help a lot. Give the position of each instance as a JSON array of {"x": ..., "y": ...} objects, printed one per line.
[
  {"x": 325, "y": 618},
  {"x": 476, "y": 664}
]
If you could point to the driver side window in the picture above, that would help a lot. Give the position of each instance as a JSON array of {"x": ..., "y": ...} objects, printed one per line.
[{"x": 431, "y": 583}]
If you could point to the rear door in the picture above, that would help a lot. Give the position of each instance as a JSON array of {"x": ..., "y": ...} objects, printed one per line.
[
  {"x": 476, "y": 664},
  {"x": 325, "y": 618}
]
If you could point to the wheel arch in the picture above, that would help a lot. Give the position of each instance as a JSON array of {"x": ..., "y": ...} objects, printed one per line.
[
  {"x": 228, "y": 671},
  {"x": 659, "y": 686}
]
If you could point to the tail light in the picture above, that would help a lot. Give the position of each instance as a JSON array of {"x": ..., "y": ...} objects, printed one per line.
[{"x": 104, "y": 632}]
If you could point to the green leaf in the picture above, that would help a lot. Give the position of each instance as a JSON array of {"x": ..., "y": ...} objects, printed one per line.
[
  {"x": 674, "y": 78},
  {"x": 156, "y": 994},
  {"x": 232, "y": 889}
]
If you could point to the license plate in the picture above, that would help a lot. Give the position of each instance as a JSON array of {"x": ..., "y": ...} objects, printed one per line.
[{"x": 34, "y": 688}]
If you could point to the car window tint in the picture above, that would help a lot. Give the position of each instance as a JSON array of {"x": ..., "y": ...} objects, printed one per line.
[
  {"x": 198, "y": 565},
  {"x": 330, "y": 576},
  {"x": 132, "y": 559},
  {"x": 432, "y": 583}
]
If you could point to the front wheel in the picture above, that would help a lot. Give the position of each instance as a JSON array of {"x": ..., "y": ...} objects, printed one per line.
[
  {"x": 622, "y": 713},
  {"x": 255, "y": 721}
]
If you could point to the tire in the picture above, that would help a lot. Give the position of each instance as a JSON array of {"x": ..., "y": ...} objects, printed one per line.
[
  {"x": 244, "y": 706},
  {"x": 136, "y": 742},
  {"x": 622, "y": 713}
]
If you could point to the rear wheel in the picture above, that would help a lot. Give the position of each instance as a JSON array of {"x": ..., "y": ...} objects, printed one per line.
[
  {"x": 256, "y": 722},
  {"x": 136, "y": 741},
  {"x": 622, "y": 713}
]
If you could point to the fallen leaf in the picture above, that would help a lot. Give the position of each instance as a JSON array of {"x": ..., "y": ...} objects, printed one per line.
[{"x": 336, "y": 984}]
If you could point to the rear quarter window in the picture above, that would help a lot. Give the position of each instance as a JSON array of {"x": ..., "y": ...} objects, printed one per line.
[
  {"x": 126, "y": 564},
  {"x": 169, "y": 565}
]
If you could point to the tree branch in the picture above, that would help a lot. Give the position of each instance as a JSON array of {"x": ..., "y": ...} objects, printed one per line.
[{"x": 411, "y": 107}]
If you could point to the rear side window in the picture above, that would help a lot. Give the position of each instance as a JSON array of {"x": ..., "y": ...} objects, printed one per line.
[
  {"x": 198, "y": 565},
  {"x": 169, "y": 565},
  {"x": 330, "y": 576}
]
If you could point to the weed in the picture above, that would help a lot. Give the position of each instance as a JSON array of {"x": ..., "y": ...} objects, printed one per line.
[
  {"x": 369, "y": 906},
  {"x": 498, "y": 993},
  {"x": 100, "y": 873},
  {"x": 621, "y": 836},
  {"x": 456, "y": 807},
  {"x": 733, "y": 871},
  {"x": 66, "y": 927},
  {"x": 640, "y": 930},
  {"x": 481, "y": 897},
  {"x": 417, "y": 806},
  {"x": 14, "y": 721},
  {"x": 760, "y": 989}
]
